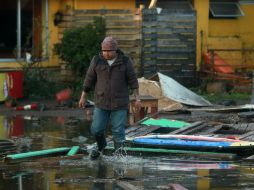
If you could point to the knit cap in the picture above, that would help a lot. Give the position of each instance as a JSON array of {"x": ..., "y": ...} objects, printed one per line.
[{"x": 109, "y": 43}]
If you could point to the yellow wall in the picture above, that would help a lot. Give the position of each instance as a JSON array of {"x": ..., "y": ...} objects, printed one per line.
[
  {"x": 224, "y": 33},
  {"x": 233, "y": 34},
  {"x": 54, "y": 6},
  {"x": 201, "y": 7},
  {"x": 241, "y": 27},
  {"x": 246, "y": 26},
  {"x": 105, "y": 4}
]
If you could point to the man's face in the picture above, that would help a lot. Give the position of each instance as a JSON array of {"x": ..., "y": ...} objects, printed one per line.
[{"x": 109, "y": 54}]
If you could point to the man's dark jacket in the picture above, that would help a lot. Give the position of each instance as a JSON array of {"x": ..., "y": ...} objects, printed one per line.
[{"x": 111, "y": 82}]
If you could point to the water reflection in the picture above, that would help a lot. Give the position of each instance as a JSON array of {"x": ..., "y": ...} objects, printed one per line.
[{"x": 109, "y": 172}]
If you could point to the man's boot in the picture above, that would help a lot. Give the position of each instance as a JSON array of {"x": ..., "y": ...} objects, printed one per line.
[
  {"x": 101, "y": 144},
  {"x": 119, "y": 148}
]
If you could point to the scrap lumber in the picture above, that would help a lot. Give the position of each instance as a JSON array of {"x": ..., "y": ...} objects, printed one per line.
[
  {"x": 126, "y": 185},
  {"x": 246, "y": 135},
  {"x": 174, "y": 152},
  {"x": 211, "y": 130},
  {"x": 184, "y": 129},
  {"x": 142, "y": 131},
  {"x": 194, "y": 129}
]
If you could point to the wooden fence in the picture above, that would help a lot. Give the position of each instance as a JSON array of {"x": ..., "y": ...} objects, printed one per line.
[
  {"x": 169, "y": 44},
  {"x": 164, "y": 42},
  {"x": 124, "y": 25}
]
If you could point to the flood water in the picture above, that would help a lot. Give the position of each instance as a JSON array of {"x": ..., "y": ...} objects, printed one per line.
[{"x": 110, "y": 172}]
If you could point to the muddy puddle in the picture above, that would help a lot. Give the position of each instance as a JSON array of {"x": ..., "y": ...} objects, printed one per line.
[{"x": 128, "y": 172}]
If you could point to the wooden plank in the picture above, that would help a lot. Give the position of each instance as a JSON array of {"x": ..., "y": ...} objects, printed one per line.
[
  {"x": 178, "y": 152},
  {"x": 142, "y": 131},
  {"x": 66, "y": 25},
  {"x": 246, "y": 135},
  {"x": 126, "y": 185},
  {"x": 125, "y": 30},
  {"x": 111, "y": 24},
  {"x": 120, "y": 27},
  {"x": 67, "y": 18},
  {"x": 170, "y": 47},
  {"x": 175, "y": 62},
  {"x": 181, "y": 130},
  {"x": 103, "y": 11},
  {"x": 145, "y": 130},
  {"x": 169, "y": 56},
  {"x": 178, "y": 66},
  {"x": 148, "y": 61},
  {"x": 7, "y": 147},
  {"x": 167, "y": 22},
  {"x": 116, "y": 18},
  {"x": 163, "y": 50},
  {"x": 131, "y": 129},
  {"x": 194, "y": 129},
  {"x": 211, "y": 130}
]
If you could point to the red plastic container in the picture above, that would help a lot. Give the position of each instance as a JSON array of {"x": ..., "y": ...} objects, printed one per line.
[
  {"x": 63, "y": 95},
  {"x": 15, "y": 84}
]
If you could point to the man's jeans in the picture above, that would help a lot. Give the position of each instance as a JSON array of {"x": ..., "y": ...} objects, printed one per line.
[{"x": 118, "y": 120}]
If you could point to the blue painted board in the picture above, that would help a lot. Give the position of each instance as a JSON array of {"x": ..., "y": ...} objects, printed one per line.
[{"x": 180, "y": 142}]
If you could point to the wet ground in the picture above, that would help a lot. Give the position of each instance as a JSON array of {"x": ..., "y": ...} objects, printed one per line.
[
  {"x": 110, "y": 172},
  {"x": 65, "y": 127}
]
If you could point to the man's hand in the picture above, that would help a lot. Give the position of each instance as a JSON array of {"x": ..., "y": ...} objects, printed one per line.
[
  {"x": 138, "y": 101},
  {"x": 137, "y": 105},
  {"x": 82, "y": 101}
]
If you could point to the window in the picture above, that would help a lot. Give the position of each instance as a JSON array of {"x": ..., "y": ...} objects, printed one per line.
[
  {"x": 21, "y": 28},
  {"x": 225, "y": 10}
]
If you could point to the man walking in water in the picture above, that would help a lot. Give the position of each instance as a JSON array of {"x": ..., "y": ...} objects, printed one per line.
[{"x": 112, "y": 73}]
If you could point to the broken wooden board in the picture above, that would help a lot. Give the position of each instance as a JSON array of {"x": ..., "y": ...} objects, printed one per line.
[
  {"x": 143, "y": 130},
  {"x": 6, "y": 147},
  {"x": 228, "y": 109},
  {"x": 190, "y": 127},
  {"x": 172, "y": 152}
]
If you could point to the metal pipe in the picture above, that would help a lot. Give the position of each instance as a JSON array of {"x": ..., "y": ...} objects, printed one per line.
[
  {"x": 37, "y": 153},
  {"x": 73, "y": 151}
]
